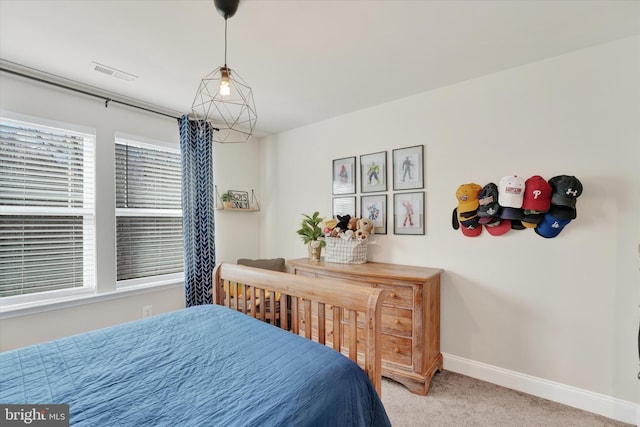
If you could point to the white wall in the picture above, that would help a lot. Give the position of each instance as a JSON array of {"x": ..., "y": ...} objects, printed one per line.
[
  {"x": 563, "y": 310},
  {"x": 237, "y": 167},
  {"x": 237, "y": 234},
  {"x": 47, "y": 325}
]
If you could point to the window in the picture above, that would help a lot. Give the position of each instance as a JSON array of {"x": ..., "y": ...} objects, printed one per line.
[
  {"x": 46, "y": 208},
  {"x": 148, "y": 211}
]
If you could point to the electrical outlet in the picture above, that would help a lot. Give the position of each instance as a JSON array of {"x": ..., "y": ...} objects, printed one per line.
[{"x": 147, "y": 311}]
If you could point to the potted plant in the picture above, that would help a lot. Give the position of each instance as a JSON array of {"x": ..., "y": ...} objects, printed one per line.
[
  {"x": 312, "y": 235},
  {"x": 227, "y": 200}
]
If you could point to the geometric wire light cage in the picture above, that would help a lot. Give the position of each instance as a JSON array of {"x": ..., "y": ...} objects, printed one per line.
[
  {"x": 223, "y": 98},
  {"x": 234, "y": 115}
]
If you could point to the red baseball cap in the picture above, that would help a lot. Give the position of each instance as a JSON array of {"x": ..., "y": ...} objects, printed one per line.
[
  {"x": 537, "y": 194},
  {"x": 472, "y": 231},
  {"x": 501, "y": 226}
]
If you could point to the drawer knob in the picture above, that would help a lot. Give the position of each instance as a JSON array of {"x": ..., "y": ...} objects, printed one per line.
[
  {"x": 392, "y": 295},
  {"x": 396, "y": 350},
  {"x": 397, "y": 321}
]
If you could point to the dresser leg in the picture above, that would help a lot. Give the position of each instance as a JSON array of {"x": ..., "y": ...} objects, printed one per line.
[
  {"x": 436, "y": 366},
  {"x": 416, "y": 384}
]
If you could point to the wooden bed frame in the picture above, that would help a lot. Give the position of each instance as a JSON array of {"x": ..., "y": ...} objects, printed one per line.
[{"x": 302, "y": 302}]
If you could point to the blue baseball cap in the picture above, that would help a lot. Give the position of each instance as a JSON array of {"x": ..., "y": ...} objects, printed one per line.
[{"x": 551, "y": 226}]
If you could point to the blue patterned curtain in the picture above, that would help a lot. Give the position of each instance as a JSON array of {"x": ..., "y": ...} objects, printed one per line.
[{"x": 198, "y": 202}]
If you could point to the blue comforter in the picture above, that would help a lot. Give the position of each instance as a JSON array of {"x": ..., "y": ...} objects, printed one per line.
[{"x": 200, "y": 366}]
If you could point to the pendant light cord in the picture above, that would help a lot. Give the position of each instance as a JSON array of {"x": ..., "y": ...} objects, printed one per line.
[{"x": 225, "y": 42}]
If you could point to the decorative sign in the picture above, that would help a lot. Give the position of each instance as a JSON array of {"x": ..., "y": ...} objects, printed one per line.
[{"x": 240, "y": 199}]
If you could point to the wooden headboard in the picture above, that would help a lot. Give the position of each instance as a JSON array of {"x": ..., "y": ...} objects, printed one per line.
[{"x": 304, "y": 306}]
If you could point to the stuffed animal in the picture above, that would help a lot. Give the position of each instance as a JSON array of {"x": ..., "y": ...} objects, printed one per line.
[
  {"x": 328, "y": 225},
  {"x": 361, "y": 235},
  {"x": 347, "y": 235},
  {"x": 343, "y": 222},
  {"x": 365, "y": 225}
]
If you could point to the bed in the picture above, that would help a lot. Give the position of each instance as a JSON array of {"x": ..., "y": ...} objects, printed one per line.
[
  {"x": 201, "y": 366},
  {"x": 303, "y": 305}
]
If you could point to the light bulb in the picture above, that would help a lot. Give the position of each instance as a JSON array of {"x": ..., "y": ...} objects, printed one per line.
[{"x": 225, "y": 89}]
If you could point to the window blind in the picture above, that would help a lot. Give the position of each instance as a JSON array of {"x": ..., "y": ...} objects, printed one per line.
[
  {"x": 148, "y": 211},
  {"x": 147, "y": 178},
  {"x": 46, "y": 208}
]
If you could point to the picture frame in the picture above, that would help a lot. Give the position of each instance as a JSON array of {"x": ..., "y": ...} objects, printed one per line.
[
  {"x": 344, "y": 206},
  {"x": 240, "y": 199},
  {"x": 344, "y": 176},
  {"x": 373, "y": 172},
  {"x": 408, "y": 168},
  {"x": 374, "y": 208},
  {"x": 409, "y": 213}
]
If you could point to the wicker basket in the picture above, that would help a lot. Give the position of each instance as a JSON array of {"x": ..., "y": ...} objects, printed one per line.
[{"x": 352, "y": 251}]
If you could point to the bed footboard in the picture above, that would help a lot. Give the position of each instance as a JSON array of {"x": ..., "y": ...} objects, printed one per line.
[{"x": 304, "y": 306}]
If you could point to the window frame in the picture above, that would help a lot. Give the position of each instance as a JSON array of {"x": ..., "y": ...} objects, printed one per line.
[
  {"x": 89, "y": 283},
  {"x": 147, "y": 281}
]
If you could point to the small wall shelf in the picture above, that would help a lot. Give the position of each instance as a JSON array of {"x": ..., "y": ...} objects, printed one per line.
[
  {"x": 242, "y": 197},
  {"x": 238, "y": 209}
]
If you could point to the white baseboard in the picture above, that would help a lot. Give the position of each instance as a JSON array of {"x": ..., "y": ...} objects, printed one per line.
[{"x": 596, "y": 403}]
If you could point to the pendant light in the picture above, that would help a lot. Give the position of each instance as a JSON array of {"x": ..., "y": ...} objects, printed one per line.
[{"x": 223, "y": 98}]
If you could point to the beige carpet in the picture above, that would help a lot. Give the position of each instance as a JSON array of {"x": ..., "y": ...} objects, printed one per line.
[{"x": 457, "y": 400}]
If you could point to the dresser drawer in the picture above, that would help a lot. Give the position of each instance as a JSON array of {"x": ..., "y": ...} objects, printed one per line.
[
  {"x": 396, "y": 349},
  {"x": 398, "y": 296},
  {"x": 397, "y": 321}
]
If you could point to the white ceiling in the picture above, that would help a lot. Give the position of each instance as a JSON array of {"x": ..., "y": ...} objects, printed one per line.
[{"x": 306, "y": 60}]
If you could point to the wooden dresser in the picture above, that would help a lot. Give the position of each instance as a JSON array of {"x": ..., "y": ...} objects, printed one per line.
[{"x": 410, "y": 315}]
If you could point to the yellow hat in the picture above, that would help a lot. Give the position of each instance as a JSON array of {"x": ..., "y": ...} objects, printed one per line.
[{"x": 467, "y": 195}]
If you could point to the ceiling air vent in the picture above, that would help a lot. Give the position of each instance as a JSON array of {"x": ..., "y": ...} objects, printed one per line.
[{"x": 110, "y": 71}]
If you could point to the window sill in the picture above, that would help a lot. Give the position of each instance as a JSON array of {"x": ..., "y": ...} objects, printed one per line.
[{"x": 25, "y": 309}]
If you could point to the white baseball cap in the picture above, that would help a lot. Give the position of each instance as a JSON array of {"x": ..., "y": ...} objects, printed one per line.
[{"x": 511, "y": 191}]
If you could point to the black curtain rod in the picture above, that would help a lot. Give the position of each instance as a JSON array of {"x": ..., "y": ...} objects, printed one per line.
[{"x": 106, "y": 100}]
